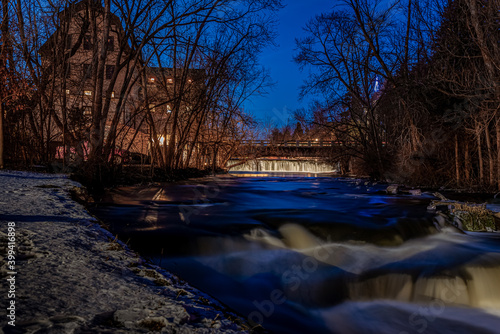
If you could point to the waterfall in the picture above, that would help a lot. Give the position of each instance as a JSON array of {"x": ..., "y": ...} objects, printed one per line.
[
  {"x": 267, "y": 165},
  {"x": 373, "y": 272}
]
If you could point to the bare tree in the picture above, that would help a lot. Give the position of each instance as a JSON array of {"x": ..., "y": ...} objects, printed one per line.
[
  {"x": 89, "y": 64},
  {"x": 349, "y": 51}
]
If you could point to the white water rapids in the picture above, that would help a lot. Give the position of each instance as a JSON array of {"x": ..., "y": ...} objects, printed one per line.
[{"x": 263, "y": 165}]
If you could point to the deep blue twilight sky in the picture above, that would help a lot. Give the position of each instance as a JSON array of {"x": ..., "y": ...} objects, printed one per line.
[{"x": 283, "y": 97}]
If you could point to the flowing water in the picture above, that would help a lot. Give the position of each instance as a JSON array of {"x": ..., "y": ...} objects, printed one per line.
[
  {"x": 282, "y": 165},
  {"x": 312, "y": 254}
]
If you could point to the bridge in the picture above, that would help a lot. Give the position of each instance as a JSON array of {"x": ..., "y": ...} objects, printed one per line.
[
  {"x": 290, "y": 143},
  {"x": 292, "y": 148},
  {"x": 290, "y": 156}
]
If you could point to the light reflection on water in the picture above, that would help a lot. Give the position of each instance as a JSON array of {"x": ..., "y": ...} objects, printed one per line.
[{"x": 316, "y": 254}]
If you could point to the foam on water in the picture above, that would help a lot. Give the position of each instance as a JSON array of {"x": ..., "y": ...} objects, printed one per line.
[
  {"x": 473, "y": 283},
  {"x": 262, "y": 165}
]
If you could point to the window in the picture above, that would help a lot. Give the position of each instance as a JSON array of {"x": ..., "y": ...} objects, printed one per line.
[
  {"x": 170, "y": 80},
  {"x": 111, "y": 43},
  {"x": 110, "y": 69},
  {"x": 67, "y": 92},
  {"x": 152, "y": 107},
  {"x": 87, "y": 92},
  {"x": 69, "y": 42},
  {"x": 87, "y": 42},
  {"x": 164, "y": 139},
  {"x": 190, "y": 80},
  {"x": 151, "y": 79},
  {"x": 87, "y": 70},
  {"x": 169, "y": 109},
  {"x": 113, "y": 94}
]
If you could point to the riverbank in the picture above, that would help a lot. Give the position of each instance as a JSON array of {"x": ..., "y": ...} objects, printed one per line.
[{"x": 70, "y": 275}]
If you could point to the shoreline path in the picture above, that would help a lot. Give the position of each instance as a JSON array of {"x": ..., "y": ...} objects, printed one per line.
[{"x": 69, "y": 275}]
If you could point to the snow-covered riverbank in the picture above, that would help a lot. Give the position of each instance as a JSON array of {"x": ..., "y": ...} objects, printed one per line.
[{"x": 70, "y": 275}]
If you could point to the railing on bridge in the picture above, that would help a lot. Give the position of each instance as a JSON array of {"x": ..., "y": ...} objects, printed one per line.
[{"x": 291, "y": 143}]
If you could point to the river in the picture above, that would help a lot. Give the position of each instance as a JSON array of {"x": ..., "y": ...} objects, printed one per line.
[{"x": 315, "y": 254}]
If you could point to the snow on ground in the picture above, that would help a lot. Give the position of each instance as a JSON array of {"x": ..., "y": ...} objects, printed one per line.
[{"x": 74, "y": 277}]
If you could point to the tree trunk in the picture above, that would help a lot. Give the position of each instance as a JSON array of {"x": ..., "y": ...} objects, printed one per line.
[
  {"x": 1, "y": 135},
  {"x": 491, "y": 162},
  {"x": 457, "y": 161},
  {"x": 467, "y": 163},
  {"x": 5, "y": 56},
  {"x": 479, "y": 154},
  {"x": 497, "y": 128},
  {"x": 97, "y": 140}
]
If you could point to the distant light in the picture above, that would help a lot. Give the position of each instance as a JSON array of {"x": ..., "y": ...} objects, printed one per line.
[
  {"x": 164, "y": 139},
  {"x": 152, "y": 79},
  {"x": 88, "y": 92},
  {"x": 67, "y": 91},
  {"x": 170, "y": 80},
  {"x": 317, "y": 139},
  {"x": 112, "y": 94}
]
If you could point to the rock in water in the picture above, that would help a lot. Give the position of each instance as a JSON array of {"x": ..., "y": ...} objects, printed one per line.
[
  {"x": 415, "y": 192},
  {"x": 393, "y": 189}
]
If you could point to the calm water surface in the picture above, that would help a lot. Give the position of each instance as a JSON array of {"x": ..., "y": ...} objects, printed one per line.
[{"x": 312, "y": 254}]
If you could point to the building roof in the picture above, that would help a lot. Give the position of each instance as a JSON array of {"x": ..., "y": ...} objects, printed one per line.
[{"x": 68, "y": 13}]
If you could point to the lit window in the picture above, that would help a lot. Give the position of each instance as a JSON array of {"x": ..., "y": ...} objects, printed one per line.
[
  {"x": 168, "y": 108},
  {"x": 164, "y": 139},
  {"x": 152, "y": 79},
  {"x": 190, "y": 81},
  {"x": 170, "y": 80},
  {"x": 152, "y": 107},
  {"x": 87, "y": 92},
  {"x": 112, "y": 94},
  {"x": 67, "y": 91}
]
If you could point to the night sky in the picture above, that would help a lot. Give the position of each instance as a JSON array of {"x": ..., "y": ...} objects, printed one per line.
[{"x": 283, "y": 98}]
